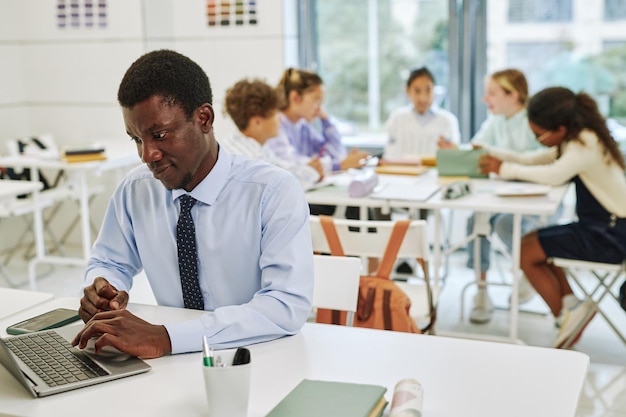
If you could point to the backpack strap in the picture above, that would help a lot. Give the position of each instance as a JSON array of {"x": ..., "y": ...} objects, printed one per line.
[
  {"x": 387, "y": 310},
  {"x": 393, "y": 247},
  {"x": 328, "y": 226}
]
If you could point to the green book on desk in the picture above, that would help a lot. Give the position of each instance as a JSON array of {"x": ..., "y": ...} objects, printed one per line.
[{"x": 332, "y": 399}]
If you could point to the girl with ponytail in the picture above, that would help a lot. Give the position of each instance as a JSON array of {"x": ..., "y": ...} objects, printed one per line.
[{"x": 580, "y": 150}]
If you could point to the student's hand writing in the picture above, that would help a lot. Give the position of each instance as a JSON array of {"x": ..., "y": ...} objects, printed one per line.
[
  {"x": 443, "y": 143},
  {"x": 316, "y": 164},
  {"x": 355, "y": 159},
  {"x": 125, "y": 332},
  {"x": 488, "y": 163},
  {"x": 101, "y": 296}
]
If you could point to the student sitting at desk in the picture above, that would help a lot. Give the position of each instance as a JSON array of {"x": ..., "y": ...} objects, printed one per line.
[
  {"x": 506, "y": 94},
  {"x": 253, "y": 107},
  {"x": 252, "y": 271},
  {"x": 421, "y": 127},
  {"x": 301, "y": 94},
  {"x": 581, "y": 150}
]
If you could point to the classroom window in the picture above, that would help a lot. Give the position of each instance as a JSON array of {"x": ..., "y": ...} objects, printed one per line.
[
  {"x": 570, "y": 46},
  {"x": 614, "y": 10},
  {"x": 366, "y": 49},
  {"x": 540, "y": 11}
]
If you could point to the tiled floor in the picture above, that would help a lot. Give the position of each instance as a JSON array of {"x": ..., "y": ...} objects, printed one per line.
[{"x": 604, "y": 393}]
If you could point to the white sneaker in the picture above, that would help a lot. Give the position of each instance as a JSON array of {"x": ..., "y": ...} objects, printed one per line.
[
  {"x": 525, "y": 291},
  {"x": 482, "y": 311},
  {"x": 569, "y": 301},
  {"x": 574, "y": 322}
]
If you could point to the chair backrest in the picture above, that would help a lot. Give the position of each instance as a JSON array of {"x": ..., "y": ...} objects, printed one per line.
[
  {"x": 372, "y": 244},
  {"x": 356, "y": 242},
  {"x": 336, "y": 283}
]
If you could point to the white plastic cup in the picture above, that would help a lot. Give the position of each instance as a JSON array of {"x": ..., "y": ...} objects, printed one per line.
[{"x": 227, "y": 387}]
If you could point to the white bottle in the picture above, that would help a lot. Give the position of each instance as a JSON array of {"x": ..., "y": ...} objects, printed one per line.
[{"x": 408, "y": 399}]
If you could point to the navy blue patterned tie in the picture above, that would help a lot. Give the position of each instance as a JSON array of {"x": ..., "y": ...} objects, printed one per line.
[{"x": 188, "y": 255}]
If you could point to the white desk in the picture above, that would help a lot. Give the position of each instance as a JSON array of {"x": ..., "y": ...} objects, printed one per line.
[
  {"x": 118, "y": 155},
  {"x": 482, "y": 200},
  {"x": 460, "y": 377},
  {"x": 13, "y": 301}
]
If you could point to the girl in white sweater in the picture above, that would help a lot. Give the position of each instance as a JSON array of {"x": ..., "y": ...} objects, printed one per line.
[{"x": 581, "y": 150}]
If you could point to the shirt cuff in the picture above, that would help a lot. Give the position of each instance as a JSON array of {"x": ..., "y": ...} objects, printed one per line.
[{"x": 185, "y": 336}]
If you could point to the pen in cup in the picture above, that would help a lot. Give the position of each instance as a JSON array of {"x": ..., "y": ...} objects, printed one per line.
[{"x": 207, "y": 352}]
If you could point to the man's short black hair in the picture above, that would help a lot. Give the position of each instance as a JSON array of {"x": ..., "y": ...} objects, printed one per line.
[{"x": 166, "y": 74}]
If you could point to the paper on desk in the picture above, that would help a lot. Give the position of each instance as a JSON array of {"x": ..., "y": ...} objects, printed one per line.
[{"x": 516, "y": 189}]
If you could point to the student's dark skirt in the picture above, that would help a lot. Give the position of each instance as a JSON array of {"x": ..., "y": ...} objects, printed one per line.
[{"x": 593, "y": 242}]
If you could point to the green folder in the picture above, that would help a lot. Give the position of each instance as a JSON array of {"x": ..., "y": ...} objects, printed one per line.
[
  {"x": 459, "y": 163},
  {"x": 312, "y": 398}
]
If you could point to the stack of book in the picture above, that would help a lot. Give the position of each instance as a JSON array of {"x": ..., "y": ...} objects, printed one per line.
[{"x": 84, "y": 154}]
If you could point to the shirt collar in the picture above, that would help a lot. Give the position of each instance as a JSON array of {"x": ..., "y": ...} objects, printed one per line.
[
  {"x": 432, "y": 110},
  {"x": 209, "y": 188}
]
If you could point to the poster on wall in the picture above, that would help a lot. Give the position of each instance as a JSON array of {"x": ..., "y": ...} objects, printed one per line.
[
  {"x": 231, "y": 12},
  {"x": 77, "y": 14}
]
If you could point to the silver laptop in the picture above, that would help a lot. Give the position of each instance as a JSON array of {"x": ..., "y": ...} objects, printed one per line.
[{"x": 46, "y": 363}]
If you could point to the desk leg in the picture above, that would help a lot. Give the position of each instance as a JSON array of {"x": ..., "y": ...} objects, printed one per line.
[
  {"x": 84, "y": 216},
  {"x": 437, "y": 248},
  {"x": 515, "y": 263}
]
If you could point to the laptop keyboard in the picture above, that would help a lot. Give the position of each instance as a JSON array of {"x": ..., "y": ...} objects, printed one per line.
[{"x": 53, "y": 358}]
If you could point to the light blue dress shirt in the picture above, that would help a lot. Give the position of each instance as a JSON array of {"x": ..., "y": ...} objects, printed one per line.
[{"x": 255, "y": 258}]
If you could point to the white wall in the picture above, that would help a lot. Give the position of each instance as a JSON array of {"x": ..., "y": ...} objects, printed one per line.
[{"x": 64, "y": 81}]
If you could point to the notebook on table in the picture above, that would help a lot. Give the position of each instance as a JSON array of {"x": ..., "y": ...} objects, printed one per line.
[
  {"x": 459, "y": 163},
  {"x": 312, "y": 398},
  {"x": 45, "y": 363}
]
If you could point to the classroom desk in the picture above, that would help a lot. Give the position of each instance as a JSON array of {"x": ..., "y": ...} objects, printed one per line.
[
  {"x": 482, "y": 200},
  {"x": 460, "y": 377},
  {"x": 119, "y": 156},
  {"x": 9, "y": 190}
]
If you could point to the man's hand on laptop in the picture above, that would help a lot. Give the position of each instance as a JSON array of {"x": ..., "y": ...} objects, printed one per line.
[
  {"x": 125, "y": 332},
  {"x": 101, "y": 296}
]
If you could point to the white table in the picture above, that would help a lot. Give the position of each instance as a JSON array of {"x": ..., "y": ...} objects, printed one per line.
[
  {"x": 460, "y": 377},
  {"x": 485, "y": 202},
  {"x": 482, "y": 200},
  {"x": 13, "y": 301},
  {"x": 119, "y": 156}
]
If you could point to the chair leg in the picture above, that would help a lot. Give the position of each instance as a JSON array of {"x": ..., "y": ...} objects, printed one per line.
[{"x": 606, "y": 281}]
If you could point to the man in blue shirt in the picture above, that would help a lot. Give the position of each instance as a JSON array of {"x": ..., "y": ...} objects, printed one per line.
[{"x": 254, "y": 253}]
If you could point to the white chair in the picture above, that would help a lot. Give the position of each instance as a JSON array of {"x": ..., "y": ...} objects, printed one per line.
[
  {"x": 359, "y": 242},
  {"x": 336, "y": 284},
  {"x": 606, "y": 281}
]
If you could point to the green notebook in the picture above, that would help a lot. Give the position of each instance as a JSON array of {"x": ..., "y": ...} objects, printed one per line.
[
  {"x": 459, "y": 163},
  {"x": 332, "y": 399}
]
